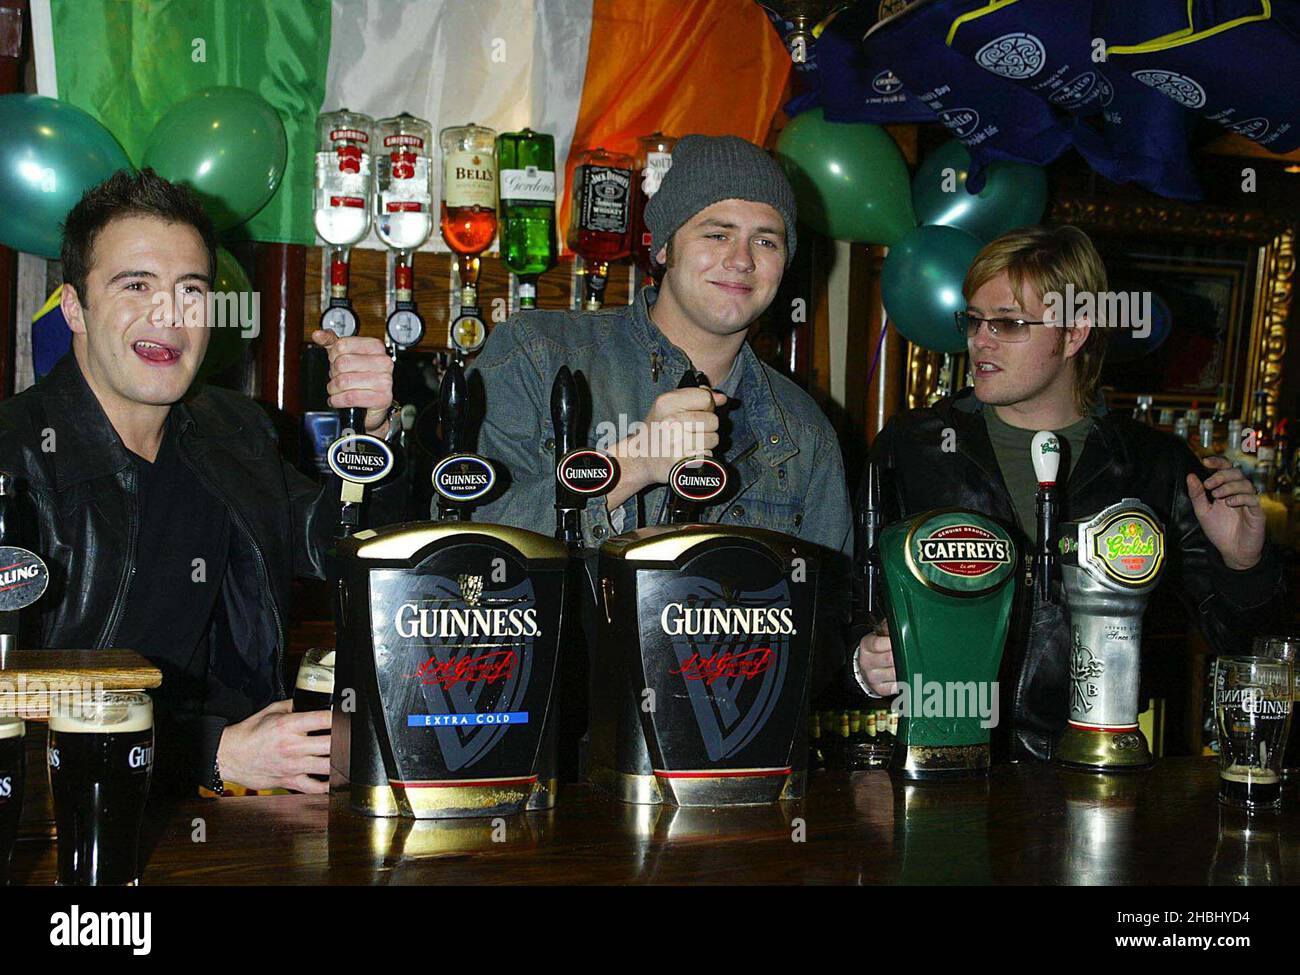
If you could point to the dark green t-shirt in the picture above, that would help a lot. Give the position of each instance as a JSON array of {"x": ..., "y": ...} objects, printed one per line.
[{"x": 1011, "y": 447}]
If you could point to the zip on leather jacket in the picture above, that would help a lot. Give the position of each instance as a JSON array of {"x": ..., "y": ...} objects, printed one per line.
[
  {"x": 78, "y": 485},
  {"x": 1120, "y": 459}
]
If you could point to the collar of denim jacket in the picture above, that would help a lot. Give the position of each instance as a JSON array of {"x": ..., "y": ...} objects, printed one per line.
[{"x": 762, "y": 410}]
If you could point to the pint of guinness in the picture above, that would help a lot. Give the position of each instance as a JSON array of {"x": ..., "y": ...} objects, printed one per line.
[
  {"x": 100, "y": 757},
  {"x": 315, "y": 684},
  {"x": 1252, "y": 708},
  {"x": 13, "y": 768}
]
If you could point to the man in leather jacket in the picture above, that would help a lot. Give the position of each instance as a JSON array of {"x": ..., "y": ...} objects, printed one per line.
[
  {"x": 972, "y": 450},
  {"x": 168, "y": 519}
]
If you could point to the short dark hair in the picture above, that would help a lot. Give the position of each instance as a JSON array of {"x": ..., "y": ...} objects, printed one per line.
[{"x": 128, "y": 194}]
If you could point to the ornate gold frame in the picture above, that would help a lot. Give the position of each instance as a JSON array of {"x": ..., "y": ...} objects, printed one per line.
[{"x": 1275, "y": 262}]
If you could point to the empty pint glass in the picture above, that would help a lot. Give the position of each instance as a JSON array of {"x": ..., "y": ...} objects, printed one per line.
[{"x": 1252, "y": 708}]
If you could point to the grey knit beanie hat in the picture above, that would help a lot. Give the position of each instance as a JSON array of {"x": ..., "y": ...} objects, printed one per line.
[{"x": 709, "y": 168}]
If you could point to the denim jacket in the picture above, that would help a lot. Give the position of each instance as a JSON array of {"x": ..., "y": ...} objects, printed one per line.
[{"x": 792, "y": 480}]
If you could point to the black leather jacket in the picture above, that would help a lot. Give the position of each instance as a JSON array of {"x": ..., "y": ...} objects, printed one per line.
[
  {"x": 79, "y": 487},
  {"x": 1121, "y": 459}
]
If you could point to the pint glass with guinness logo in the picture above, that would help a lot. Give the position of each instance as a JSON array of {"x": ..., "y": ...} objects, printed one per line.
[
  {"x": 100, "y": 758},
  {"x": 13, "y": 765},
  {"x": 1252, "y": 707}
]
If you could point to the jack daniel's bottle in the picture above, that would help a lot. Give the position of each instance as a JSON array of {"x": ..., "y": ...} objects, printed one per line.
[
  {"x": 448, "y": 639},
  {"x": 701, "y": 677}
]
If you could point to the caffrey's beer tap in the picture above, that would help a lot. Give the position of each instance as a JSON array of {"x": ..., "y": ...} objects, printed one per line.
[{"x": 1046, "y": 453}]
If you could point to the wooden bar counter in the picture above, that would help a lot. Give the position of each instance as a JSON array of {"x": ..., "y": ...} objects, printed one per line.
[{"x": 1027, "y": 824}]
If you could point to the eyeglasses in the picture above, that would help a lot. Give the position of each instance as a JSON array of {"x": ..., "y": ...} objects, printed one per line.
[{"x": 1004, "y": 329}]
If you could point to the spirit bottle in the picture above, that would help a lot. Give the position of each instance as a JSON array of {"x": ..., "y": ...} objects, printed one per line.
[
  {"x": 600, "y": 228},
  {"x": 528, "y": 242},
  {"x": 344, "y": 183},
  {"x": 404, "y": 214},
  {"x": 469, "y": 219},
  {"x": 653, "y": 159}
]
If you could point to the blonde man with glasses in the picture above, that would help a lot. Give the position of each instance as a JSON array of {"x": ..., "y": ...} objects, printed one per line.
[{"x": 1036, "y": 356}]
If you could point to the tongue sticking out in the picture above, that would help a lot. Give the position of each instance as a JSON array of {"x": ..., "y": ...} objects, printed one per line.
[{"x": 155, "y": 353}]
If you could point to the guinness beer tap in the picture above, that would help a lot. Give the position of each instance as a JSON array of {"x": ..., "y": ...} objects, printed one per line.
[
  {"x": 693, "y": 480},
  {"x": 1045, "y": 451},
  {"x": 460, "y": 478},
  {"x": 580, "y": 473},
  {"x": 702, "y": 671},
  {"x": 449, "y": 633},
  {"x": 358, "y": 459}
]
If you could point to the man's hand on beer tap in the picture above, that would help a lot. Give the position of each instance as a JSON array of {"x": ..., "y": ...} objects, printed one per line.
[
  {"x": 876, "y": 661},
  {"x": 274, "y": 750},
  {"x": 361, "y": 374},
  {"x": 1228, "y": 509},
  {"x": 681, "y": 423}
]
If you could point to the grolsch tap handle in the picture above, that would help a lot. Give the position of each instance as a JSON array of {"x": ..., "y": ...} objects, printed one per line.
[
  {"x": 453, "y": 408},
  {"x": 1045, "y": 451},
  {"x": 564, "y": 426}
]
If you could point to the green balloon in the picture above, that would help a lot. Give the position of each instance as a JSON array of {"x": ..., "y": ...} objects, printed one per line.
[
  {"x": 228, "y": 145},
  {"x": 1014, "y": 194},
  {"x": 920, "y": 283},
  {"x": 226, "y": 342},
  {"x": 51, "y": 153},
  {"x": 849, "y": 179}
]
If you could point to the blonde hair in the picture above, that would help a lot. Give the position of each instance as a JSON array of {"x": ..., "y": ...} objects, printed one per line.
[{"x": 1047, "y": 260}]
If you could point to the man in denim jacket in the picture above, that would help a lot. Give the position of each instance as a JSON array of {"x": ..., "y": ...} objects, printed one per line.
[{"x": 723, "y": 223}]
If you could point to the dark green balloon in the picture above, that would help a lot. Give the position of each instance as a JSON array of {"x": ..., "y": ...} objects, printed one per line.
[
  {"x": 50, "y": 153},
  {"x": 1014, "y": 194},
  {"x": 228, "y": 145},
  {"x": 920, "y": 283},
  {"x": 849, "y": 179},
  {"x": 226, "y": 344}
]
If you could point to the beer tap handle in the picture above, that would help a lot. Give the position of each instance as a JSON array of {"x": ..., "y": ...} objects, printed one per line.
[
  {"x": 564, "y": 410},
  {"x": 453, "y": 402},
  {"x": 1045, "y": 450},
  {"x": 678, "y": 511},
  {"x": 352, "y": 418},
  {"x": 869, "y": 524},
  {"x": 564, "y": 424}
]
